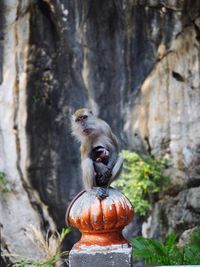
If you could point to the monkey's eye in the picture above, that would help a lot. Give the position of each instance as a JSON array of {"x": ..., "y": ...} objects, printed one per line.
[
  {"x": 81, "y": 118},
  {"x": 77, "y": 119}
]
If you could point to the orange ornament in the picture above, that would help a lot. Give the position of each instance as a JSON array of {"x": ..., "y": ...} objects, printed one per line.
[{"x": 101, "y": 221}]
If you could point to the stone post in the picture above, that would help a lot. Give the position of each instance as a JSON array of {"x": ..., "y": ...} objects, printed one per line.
[{"x": 100, "y": 223}]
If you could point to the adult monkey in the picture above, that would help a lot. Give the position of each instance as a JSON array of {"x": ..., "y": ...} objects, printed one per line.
[{"x": 100, "y": 159}]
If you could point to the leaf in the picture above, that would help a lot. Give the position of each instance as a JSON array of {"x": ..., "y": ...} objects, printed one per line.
[
  {"x": 168, "y": 253},
  {"x": 141, "y": 177},
  {"x": 149, "y": 250},
  {"x": 171, "y": 241}
]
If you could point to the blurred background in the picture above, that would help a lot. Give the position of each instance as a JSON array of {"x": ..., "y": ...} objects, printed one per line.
[{"x": 135, "y": 63}]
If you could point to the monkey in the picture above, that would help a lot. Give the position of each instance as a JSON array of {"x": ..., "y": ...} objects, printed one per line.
[
  {"x": 100, "y": 160},
  {"x": 100, "y": 154},
  {"x": 97, "y": 137}
]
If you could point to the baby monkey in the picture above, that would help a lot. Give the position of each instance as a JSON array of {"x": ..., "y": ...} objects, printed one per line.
[{"x": 100, "y": 159}]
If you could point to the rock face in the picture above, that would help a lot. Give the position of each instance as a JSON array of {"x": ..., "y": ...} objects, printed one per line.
[
  {"x": 20, "y": 204},
  {"x": 135, "y": 63}
]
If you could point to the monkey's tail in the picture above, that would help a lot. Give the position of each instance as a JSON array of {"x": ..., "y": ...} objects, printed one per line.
[{"x": 70, "y": 206}]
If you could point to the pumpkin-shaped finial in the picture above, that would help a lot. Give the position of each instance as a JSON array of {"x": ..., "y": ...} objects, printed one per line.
[{"x": 101, "y": 221}]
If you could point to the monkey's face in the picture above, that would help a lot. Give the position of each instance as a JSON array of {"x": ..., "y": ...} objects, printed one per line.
[{"x": 82, "y": 123}]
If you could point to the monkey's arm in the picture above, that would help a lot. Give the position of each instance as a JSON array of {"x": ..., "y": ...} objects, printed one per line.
[
  {"x": 116, "y": 169},
  {"x": 107, "y": 180},
  {"x": 113, "y": 149},
  {"x": 113, "y": 154},
  {"x": 117, "y": 160},
  {"x": 108, "y": 173},
  {"x": 113, "y": 157},
  {"x": 105, "y": 171},
  {"x": 88, "y": 173}
]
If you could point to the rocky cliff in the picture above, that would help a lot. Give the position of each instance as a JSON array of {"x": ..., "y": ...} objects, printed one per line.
[{"x": 135, "y": 63}]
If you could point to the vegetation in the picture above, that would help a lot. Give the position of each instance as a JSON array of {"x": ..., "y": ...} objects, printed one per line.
[
  {"x": 140, "y": 178},
  {"x": 169, "y": 253},
  {"x": 4, "y": 184},
  {"x": 51, "y": 245}
]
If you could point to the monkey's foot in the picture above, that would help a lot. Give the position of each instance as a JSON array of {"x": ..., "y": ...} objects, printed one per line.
[{"x": 102, "y": 193}]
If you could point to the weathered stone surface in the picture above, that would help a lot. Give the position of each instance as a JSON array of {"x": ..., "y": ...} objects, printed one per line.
[
  {"x": 1, "y": 42},
  {"x": 134, "y": 62},
  {"x": 169, "y": 117},
  {"x": 20, "y": 204},
  {"x": 169, "y": 99},
  {"x": 99, "y": 257},
  {"x": 178, "y": 214},
  {"x": 186, "y": 236},
  {"x": 137, "y": 58}
]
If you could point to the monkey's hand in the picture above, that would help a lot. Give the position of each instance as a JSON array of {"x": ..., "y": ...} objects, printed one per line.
[
  {"x": 100, "y": 168},
  {"x": 102, "y": 193},
  {"x": 103, "y": 174},
  {"x": 107, "y": 174},
  {"x": 104, "y": 178}
]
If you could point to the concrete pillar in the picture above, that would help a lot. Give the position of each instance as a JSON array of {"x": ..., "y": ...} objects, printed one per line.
[
  {"x": 96, "y": 256},
  {"x": 101, "y": 223}
]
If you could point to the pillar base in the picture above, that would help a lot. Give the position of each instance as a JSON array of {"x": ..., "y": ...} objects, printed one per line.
[
  {"x": 109, "y": 256},
  {"x": 101, "y": 238}
]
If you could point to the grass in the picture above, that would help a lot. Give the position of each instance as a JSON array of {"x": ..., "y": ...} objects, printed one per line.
[{"x": 50, "y": 245}]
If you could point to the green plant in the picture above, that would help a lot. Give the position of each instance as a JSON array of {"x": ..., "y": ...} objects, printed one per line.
[
  {"x": 140, "y": 178},
  {"x": 168, "y": 253},
  {"x": 43, "y": 263},
  {"x": 4, "y": 184},
  {"x": 51, "y": 245}
]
